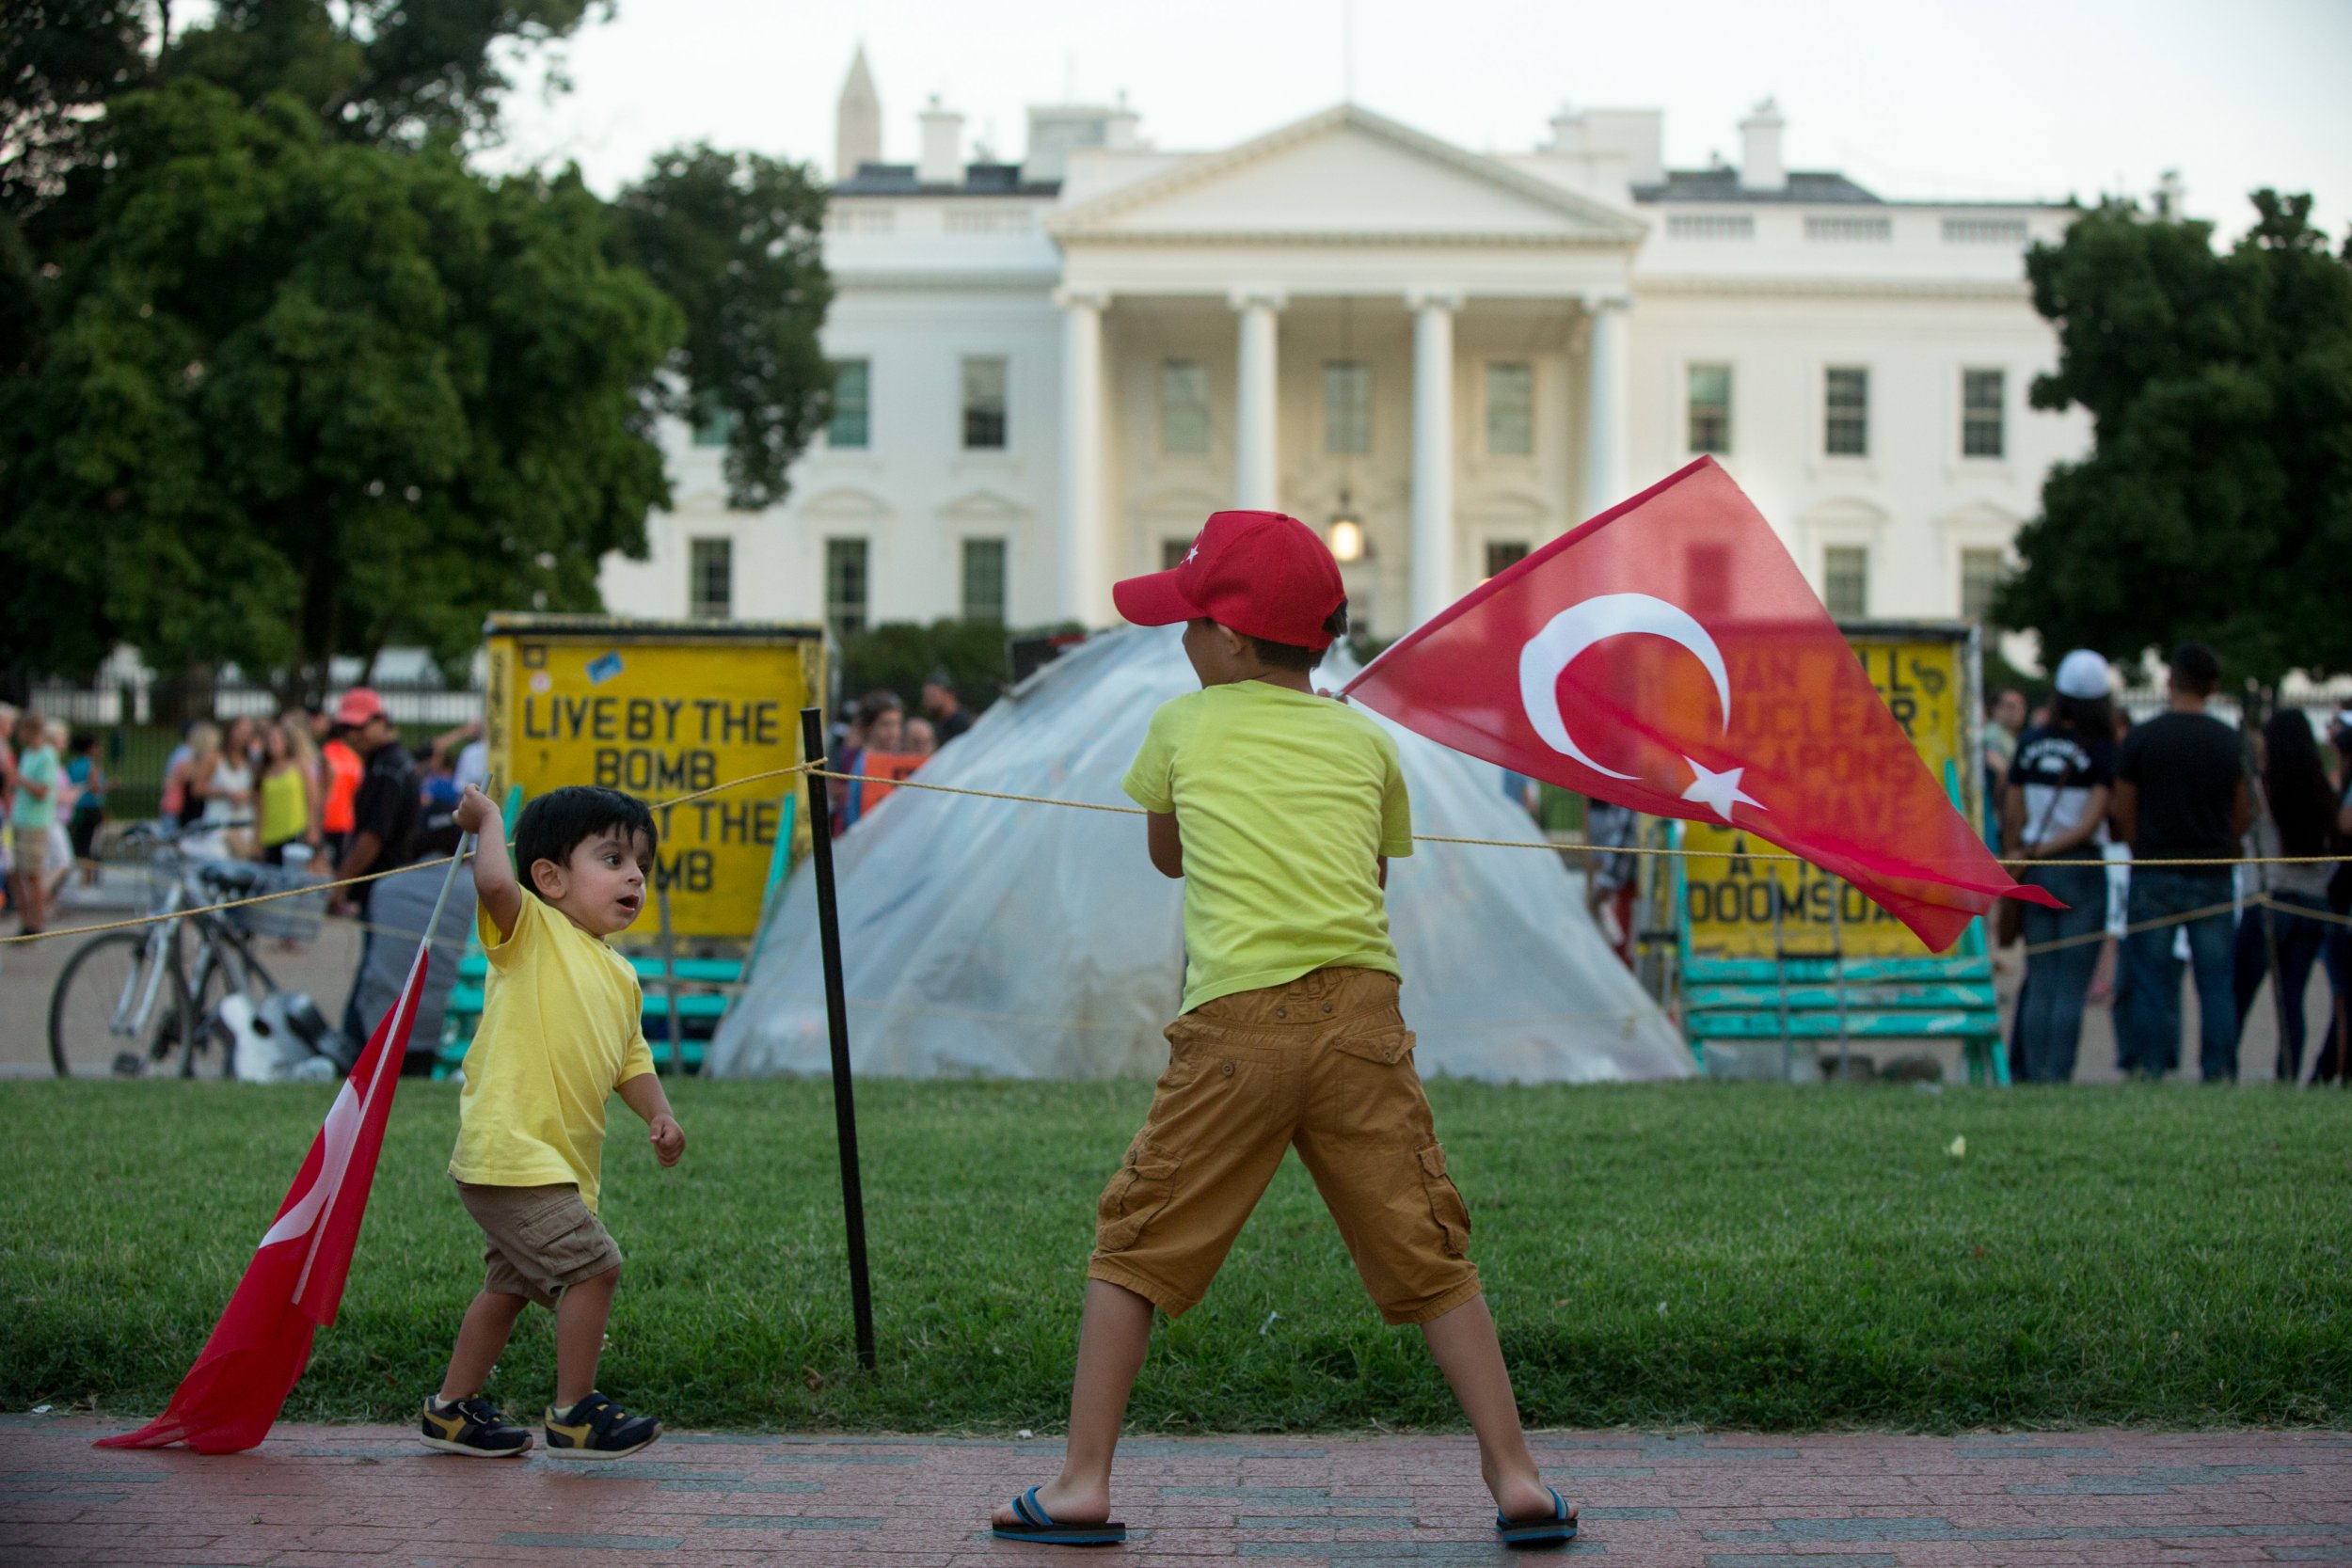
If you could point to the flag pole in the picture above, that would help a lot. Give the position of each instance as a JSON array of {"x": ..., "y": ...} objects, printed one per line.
[
  {"x": 407, "y": 998},
  {"x": 837, "y": 1022}
]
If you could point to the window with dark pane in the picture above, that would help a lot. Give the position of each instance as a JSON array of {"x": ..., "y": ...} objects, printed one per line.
[
  {"x": 845, "y": 586},
  {"x": 1846, "y": 430},
  {"x": 984, "y": 403},
  {"x": 1846, "y": 581},
  {"x": 1980, "y": 398},
  {"x": 1711, "y": 408},
  {"x": 710, "y": 578},
  {"x": 714, "y": 423},
  {"x": 984, "y": 580},
  {"x": 852, "y": 399},
  {"x": 1504, "y": 554}
]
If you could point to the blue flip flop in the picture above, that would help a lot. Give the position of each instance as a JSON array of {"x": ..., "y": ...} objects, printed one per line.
[
  {"x": 1036, "y": 1525},
  {"x": 1558, "y": 1530}
]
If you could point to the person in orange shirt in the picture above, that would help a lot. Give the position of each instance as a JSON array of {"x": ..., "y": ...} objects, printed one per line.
[{"x": 341, "y": 768}]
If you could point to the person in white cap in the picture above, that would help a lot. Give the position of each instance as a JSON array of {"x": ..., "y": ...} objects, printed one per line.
[{"x": 2056, "y": 815}]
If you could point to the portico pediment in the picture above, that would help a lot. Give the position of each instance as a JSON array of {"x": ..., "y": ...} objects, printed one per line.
[{"x": 1347, "y": 175}]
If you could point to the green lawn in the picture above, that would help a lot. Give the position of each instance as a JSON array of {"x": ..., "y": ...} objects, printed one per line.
[{"x": 1735, "y": 1255}]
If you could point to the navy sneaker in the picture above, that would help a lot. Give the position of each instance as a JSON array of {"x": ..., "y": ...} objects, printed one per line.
[
  {"x": 473, "y": 1427},
  {"x": 596, "y": 1428}
]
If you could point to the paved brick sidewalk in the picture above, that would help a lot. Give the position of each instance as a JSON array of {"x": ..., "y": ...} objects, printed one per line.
[{"x": 365, "y": 1495}]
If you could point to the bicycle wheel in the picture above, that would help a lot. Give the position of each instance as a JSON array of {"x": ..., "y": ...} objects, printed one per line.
[
  {"x": 102, "y": 1022},
  {"x": 218, "y": 962}
]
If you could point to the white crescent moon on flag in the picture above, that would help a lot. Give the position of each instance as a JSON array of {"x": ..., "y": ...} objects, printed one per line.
[
  {"x": 342, "y": 1131},
  {"x": 1596, "y": 620}
]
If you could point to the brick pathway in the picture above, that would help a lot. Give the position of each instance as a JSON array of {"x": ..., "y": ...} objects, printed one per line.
[{"x": 344, "y": 1495}]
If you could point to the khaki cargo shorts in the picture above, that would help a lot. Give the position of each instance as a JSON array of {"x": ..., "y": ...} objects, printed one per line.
[
  {"x": 1324, "y": 1064},
  {"x": 537, "y": 1240},
  {"x": 31, "y": 847}
]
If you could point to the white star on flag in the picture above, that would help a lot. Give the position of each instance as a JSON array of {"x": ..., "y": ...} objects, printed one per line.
[
  {"x": 1193, "y": 553},
  {"x": 1719, "y": 792}
]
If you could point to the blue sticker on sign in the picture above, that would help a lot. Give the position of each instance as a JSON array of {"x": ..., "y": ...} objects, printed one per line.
[{"x": 603, "y": 668}]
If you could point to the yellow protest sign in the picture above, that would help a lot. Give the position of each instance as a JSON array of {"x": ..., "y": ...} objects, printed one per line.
[
  {"x": 663, "y": 708},
  {"x": 1927, "y": 675}
]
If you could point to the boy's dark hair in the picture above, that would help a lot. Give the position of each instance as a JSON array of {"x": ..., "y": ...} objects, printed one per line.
[
  {"x": 82, "y": 742},
  {"x": 2196, "y": 669},
  {"x": 559, "y": 821},
  {"x": 1289, "y": 656}
]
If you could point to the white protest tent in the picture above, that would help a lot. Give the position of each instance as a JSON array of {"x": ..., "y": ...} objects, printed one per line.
[{"x": 996, "y": 939}]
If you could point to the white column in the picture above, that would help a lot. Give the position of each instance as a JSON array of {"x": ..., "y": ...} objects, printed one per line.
[
  {"x": 1430, "y": 585},
  {"x": 1083, "y": 585},
  {"x": 1607, "y": 469},
  {"x": 1256, "y": 481}
]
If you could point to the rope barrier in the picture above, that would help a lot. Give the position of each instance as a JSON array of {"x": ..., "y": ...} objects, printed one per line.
[
  {"x": 1537, "y": 844},
  {"x": 2258, "y": 901},
  {"x": 311, "y": 889},
  {"x": 814, "y": 767}
]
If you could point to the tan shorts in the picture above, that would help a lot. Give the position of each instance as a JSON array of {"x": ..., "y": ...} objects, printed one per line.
[
  {"x": 31, "y": 845},
  {"x": 1324, "y": 1064},
  {"x": 537, "y": 1240}
]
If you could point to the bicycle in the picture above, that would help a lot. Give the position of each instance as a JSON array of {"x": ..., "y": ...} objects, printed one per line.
[{"x": 129, "y": 1005}]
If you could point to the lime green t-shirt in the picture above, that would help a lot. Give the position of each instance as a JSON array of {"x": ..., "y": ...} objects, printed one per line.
[{"x": 1286, "y": 803}]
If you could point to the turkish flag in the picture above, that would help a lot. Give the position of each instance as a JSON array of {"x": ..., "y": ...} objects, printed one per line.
[
  {"x": 295, "y": 1281},
  {"x": 1668, "y": 656}
]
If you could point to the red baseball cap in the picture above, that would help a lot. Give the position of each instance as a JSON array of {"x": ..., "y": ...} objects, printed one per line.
[
  {"x": 1263, "y": 574},
  {"x": 359, "y": 704}
]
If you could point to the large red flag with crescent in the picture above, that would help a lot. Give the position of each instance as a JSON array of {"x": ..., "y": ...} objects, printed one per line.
[
  {"x": 295, "y": 1281},
  {"x": 1668, "y": 656}
]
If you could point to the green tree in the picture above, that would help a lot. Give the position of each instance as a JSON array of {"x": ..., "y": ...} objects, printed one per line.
[
  {"x": 736, "y": 239},
  {"x": 379, "y": 71},
  {"x": 281, "y": 378},
  {"x": 2216, "y": 501},
  {"x": 305, "y": 397}
]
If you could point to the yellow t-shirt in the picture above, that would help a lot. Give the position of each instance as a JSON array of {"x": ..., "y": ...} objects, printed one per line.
[
  {"x": 285, "y": 807},
  {"x": 1285, "y": 802},
  {"x": 563, "y": 1026}
]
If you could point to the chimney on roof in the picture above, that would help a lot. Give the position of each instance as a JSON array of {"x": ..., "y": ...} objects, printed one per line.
[
  {"x": 857, "y": 120},
  {"x": 941, "y": 163},
  {"x": 1760, "y": 164}
]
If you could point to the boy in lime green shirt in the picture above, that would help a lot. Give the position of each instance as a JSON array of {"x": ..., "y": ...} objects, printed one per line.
[
  {"x": 1280, "y": 810},
  {"x": 560, "y": 1031}
]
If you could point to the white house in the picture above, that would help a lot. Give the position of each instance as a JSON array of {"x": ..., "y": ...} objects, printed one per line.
[{"x": 1051, "y": 370}]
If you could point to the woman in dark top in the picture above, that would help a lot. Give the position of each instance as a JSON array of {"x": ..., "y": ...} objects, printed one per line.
[
  {"x": 2056, "y": 814},
  {"x": 2297, "y": 818}
]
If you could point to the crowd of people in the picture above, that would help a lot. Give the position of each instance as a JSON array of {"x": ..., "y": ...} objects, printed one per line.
[
  {"x": 53, "y": 797},
  {"x": 2092, "y": 798},
  {"x": 879, "y": 743}
]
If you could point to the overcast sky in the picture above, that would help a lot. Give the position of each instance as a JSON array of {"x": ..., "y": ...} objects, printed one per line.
[{"x": 1985, "y": 98}]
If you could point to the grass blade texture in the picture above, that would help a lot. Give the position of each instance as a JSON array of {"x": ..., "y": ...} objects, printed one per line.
[{"x": 1731, "y": 1255}]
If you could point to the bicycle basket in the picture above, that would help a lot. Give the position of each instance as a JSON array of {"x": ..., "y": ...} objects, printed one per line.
[{"x": 294, "y": 919}]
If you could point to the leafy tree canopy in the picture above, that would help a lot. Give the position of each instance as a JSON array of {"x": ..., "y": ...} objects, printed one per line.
[
  {"x": 305, "y": 397},
  {"x": 2217, "y": 502},
  {"x": 281, "y": 378},
  {"x": 735, "y": 238}
]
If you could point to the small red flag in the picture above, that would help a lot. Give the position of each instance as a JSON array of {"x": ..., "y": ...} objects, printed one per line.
[
  {"x": 1668, "y": 656},
  {"x": 295, "y": 1281}
]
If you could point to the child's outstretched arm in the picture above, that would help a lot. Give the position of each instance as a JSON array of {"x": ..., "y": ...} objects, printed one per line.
[
  {"x": 1166, "y": 843},
  {"x": 643, "y": 1095},
  {"x": 494, "y": 883}
]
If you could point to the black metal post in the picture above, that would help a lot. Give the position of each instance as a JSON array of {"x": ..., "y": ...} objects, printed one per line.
[{"x": 837, "y": 1019}]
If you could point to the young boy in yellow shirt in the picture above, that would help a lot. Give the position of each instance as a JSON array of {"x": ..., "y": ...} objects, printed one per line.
[
  {"x": 1280, "y": 809},
  {"x": 562, "y": 1028}
]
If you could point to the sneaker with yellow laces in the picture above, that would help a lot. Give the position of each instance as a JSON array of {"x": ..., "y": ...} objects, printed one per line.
[
  {"x": 473, "y": 1427},
  {"x": 596, "y": 1428}
]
